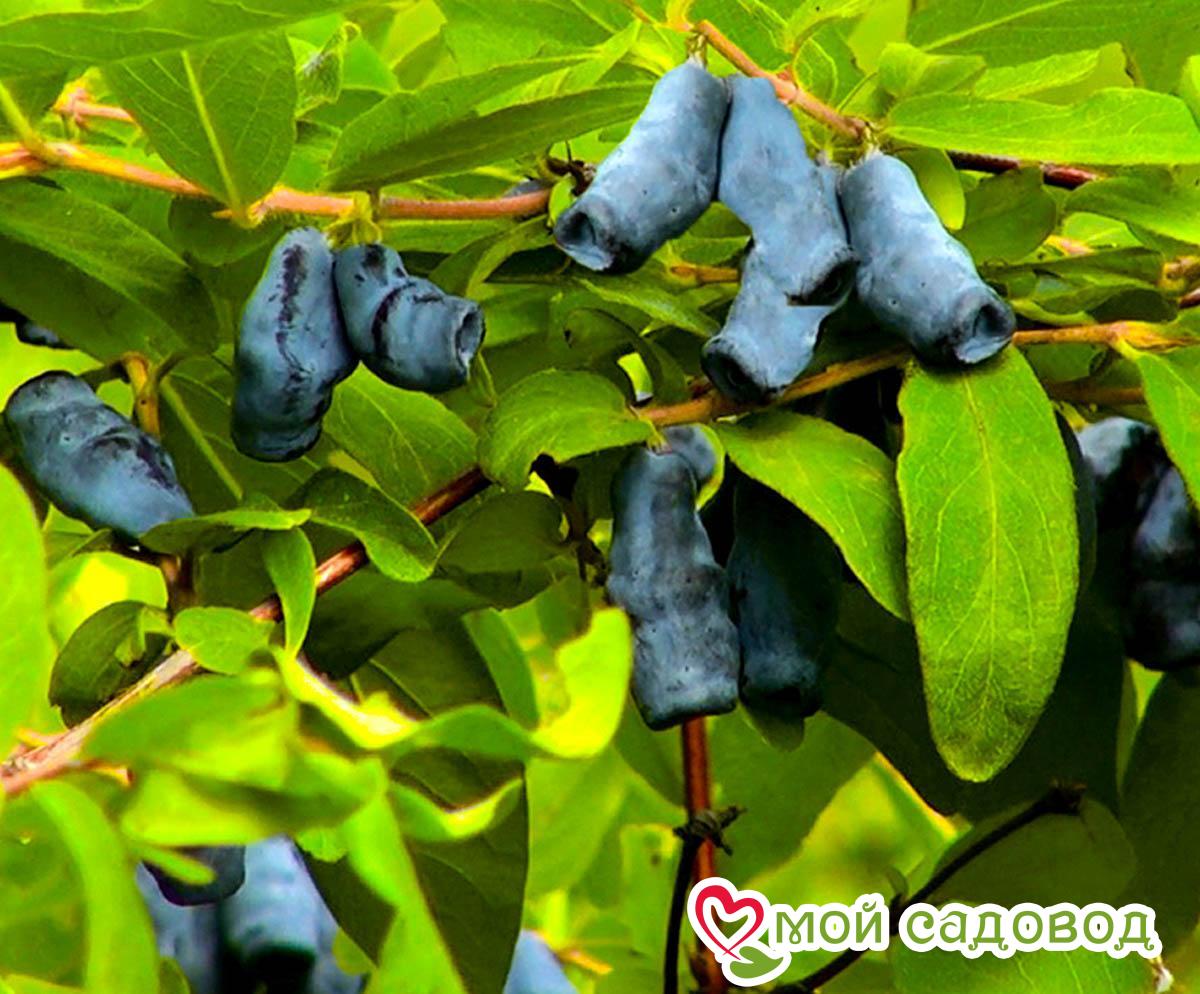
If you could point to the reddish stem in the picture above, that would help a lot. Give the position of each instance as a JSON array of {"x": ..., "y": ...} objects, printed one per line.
[{"x": 697, "y": 790}]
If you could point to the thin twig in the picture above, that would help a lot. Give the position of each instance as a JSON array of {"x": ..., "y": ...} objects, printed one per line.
[
  {"x": 856, "y": 129},
  {"x": 67, "y": 155},
  {"x": 704, "y": 830},
  {"x": 697, "y": 793},
  {"x": 24, "y": 770},
  {"x": 788, "y": 91},
  {"x": 1067, "y": 177},
  {"x": 1061, "y": 800}
]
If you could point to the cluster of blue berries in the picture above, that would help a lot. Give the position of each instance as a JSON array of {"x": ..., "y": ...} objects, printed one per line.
[
  {"x": 821, "y": 237},
  {"x": 315, "y": 314},
  {"x": 260, "y": 925},
  {"x": 739, "y": 602}
]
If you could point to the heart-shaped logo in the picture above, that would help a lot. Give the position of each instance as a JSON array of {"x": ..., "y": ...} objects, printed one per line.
[{"x": 716, "y": 895}]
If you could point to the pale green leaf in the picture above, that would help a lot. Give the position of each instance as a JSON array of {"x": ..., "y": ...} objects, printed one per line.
[
  {"x": 522, "y": 129},
  {"x": 291, "y": 565},
  {"x": 1172, "y": 382},
  {"x": 1153, "y": 201},
  {"x": 398, "y": 544},
  {"x": 410, "y": 442},
  {"x": 25, "y": 645},
  {"x": 103, "y": 283},
  {"x": 35, "y": 39},
  {"x": 120, "y": 943},
  {"x": 1158, "y": 35},
  {"x": 221, "y": 639},
  {"x": 1111, "y": 127}
]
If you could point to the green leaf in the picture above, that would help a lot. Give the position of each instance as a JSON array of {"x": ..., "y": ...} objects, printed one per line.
[
  {"x": 416, "y": 953},
  {"x": 1009, "y": 32},
  {"x": 872, "y": 682},
  {"x": 398, "y": 544},
  {"x": 752, "y": 771},
  {"x": 120, "y": 943},
  {"x": 1189, "y": 85},
  {"x": 1027, "y": 78},
  {"x": 1150, "y": 200},
  {"x": 106, "y": 654},
  {"x": 562, "y": 415},
  {"x": 478, "y": 140},
  {"x": 233, "y": 730},
  {"x": 35, "y": 39},
  {"x": 1077, "y": 971},
  {"x": 421, "y": 819},
  {"x": 292, "y": 566},
  {"x": 370, "y": 140},
  {"x": 939, "y": 182},
  {"x": 1008, "y": 216},
  {"x": 507, "y": 532},
  {"x": 209, "y": 531},
  {"x": 595, "y": 697},
  {"x": 319, "y": 76},
  {"x": 220, "y": 115},
  {"x": 1160, "y": 809},
  {"x": 24, "y": 632},
  {"x": 31, "y": 97},
  {"x": 907, "y": 71},
  {"x": 642, "y": 295},
  {"x": 989, "y": 515},
  {"x": 101, "y": 282},
  {"x": 1097, "y": 130},
  {"x": 221, "y": 639},
  {"x": 507, "y": 663},
  {"x": 41, "y": 890},
  {"x": 321, "y": 790},
  {"x": 409, "y": 441},
  {"x": 1080, "y": 858},
  {"x": 841, "y": 481},
  {"x": 1172, "y": 383}
]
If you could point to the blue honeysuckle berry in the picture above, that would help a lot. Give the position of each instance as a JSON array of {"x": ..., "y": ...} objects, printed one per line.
[
  {"x": 662, "y": 573},
  {"x": 918, "y": 281},
  {"x": 291, "y": 352},
  {"x": 657, "y": 182},
  {"x": 90, "y": 460}
]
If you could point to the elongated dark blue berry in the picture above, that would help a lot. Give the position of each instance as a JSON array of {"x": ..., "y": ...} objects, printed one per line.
[
  {"x": 767, "y": 341},
  {"x": 663, "y": 574},
  {"x": 291, "y": 352},
  {"x": 916, "y": 280},
  {"x": 90, "y": 460},
  {"x": 787, "y": 201},
  {"x": 657, "y": 182},
  {"x": 693, "y": 445},
  {"x": 186, "y": 935},
  {"x": 406, "y": 330},
  {"x": 785, "y": 575},
  {"x": 1166, "y": 544},
  {"x": 272, "y": 925}
]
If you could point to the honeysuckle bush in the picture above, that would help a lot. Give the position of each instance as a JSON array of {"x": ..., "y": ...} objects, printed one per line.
[{"x": 446, "y": 732}]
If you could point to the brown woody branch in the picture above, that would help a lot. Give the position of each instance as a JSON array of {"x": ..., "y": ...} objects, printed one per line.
[{"x": 67, "y": 155}]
